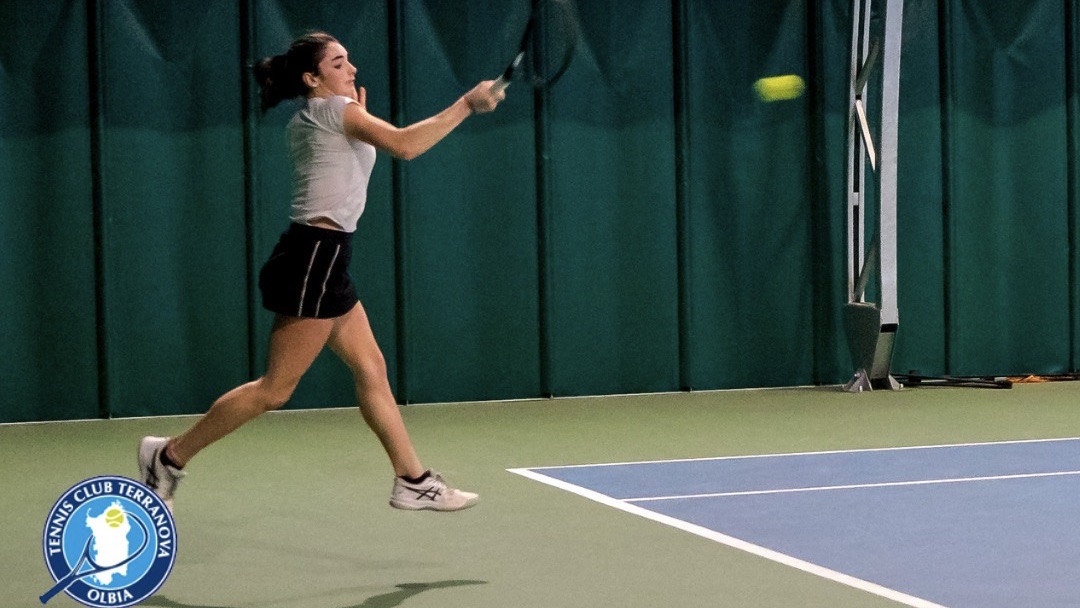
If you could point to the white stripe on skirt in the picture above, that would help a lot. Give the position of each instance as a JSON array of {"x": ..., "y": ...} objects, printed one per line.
[
  {"x": 318, "y": 303},
  {"x": 303, "y": 290}
]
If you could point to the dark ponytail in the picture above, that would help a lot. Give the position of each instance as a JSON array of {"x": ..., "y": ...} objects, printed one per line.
[{"x": 281, "y": 77}]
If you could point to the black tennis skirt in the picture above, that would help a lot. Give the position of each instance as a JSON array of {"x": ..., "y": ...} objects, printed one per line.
[{"x": 307, "y": 274}]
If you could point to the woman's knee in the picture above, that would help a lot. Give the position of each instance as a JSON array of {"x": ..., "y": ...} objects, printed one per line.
[
  {"x": 272, "y": 394},
  {"x": 370, "y": 369}
]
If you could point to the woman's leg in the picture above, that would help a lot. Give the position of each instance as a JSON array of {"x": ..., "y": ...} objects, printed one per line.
[
  {"x": 352, "y": 340},
  {"x": 414, "y": 488},
  {"x": 294, "y": 344}
]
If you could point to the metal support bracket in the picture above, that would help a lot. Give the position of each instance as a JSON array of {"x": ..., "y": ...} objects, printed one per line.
[{"x": 871, "y": 326}]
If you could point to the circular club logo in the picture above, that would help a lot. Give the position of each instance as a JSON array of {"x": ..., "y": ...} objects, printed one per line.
[{"x": 109, "y": 542}]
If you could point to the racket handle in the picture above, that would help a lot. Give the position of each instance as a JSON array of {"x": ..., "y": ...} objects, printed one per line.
[
  {"x": 503, "y": 81},
  {"x": 57, "y": 588},
  {"x": 499, "y": 85}
]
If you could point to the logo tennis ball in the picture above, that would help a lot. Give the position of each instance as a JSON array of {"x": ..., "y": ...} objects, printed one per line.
[{"x": 114, "y": 517}]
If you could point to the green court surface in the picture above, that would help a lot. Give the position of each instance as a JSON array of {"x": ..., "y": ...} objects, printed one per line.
[{"x": 291, "y": 511}]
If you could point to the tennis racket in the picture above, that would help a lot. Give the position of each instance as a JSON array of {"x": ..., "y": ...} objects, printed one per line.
[
  {"x": 95, "y": 567},
  {"x": 547, "y": 46}
]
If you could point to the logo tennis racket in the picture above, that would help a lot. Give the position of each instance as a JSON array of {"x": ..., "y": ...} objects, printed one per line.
[{"x": 108, "y": 542}]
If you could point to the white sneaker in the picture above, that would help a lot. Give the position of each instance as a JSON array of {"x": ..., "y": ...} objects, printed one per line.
[
  {"x": 432, "y": 494},
  {"x": 161, "y": 478}
]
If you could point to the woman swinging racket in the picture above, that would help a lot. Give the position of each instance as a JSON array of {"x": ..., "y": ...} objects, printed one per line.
[{"x": 332, "y": 141}]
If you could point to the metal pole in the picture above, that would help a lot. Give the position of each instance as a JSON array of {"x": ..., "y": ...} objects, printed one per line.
[{"x": 871, "y": 327}]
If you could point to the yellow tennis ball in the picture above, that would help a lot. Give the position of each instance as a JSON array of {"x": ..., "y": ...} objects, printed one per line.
[
  {"x": 779, "y": 88},
  {"x": 114, "y": 517}
]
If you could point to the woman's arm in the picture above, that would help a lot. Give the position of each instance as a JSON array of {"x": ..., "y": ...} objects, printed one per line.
[{"x": 409, "y": 142}]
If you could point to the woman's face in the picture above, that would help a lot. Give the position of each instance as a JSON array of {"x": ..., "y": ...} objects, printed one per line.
[{"x": 336, "y": 75}]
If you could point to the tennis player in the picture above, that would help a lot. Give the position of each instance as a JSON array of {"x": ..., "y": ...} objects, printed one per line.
[{"x": 332, "y": 141}]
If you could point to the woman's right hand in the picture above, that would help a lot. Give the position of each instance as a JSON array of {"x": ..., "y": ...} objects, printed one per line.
[{"x": 482, "y": 99}]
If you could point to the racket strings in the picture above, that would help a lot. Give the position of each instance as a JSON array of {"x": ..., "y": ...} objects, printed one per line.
[{"x": 552, "y": 39}]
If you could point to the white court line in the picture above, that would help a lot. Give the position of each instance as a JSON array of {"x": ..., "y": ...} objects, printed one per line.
[
  {"x": 736, "y": 543},
  {"x": 821, "y": 453},
  {"x": 884, "y": 484}
]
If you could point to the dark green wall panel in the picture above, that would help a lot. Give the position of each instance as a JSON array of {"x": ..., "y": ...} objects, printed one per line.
[
  {"x": 751, "y": 272},
  {"x": 1007, "y": 208},
  {"x": 469, "y": 223},
  {"x": 1072, "y": 88},
  {"x": 827, "y": 87},
  {"x": 611, "y": 244},
  {"x": 172, "y": 184},
  {"x": 920, "y": 246},
  {"x": 48, "y": 353}
]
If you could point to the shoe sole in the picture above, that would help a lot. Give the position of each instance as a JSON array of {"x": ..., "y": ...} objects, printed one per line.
[{"x": 406, "y": 506}]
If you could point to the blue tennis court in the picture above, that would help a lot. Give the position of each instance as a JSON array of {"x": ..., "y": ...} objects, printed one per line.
[{"x": 983, "y": 525}]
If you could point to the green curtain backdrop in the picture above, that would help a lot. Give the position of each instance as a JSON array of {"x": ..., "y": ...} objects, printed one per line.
[
  {"x": 172, "y": 179},
  {"x": 467, "y": 216},
  {"x": 49, "y": 364},
  {"x": 646, "y": 225},
  {"x": 921, "y": 343},
  {"x": 610, "y": 231},
  {"x": 1007, "y": 201},
  {"x": 751, "y": 167}
]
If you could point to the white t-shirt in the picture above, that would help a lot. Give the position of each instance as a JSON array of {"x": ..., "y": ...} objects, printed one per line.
[{"x": 330, "y": 170}]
